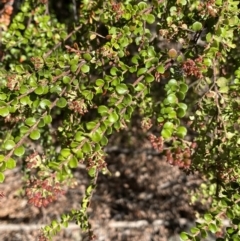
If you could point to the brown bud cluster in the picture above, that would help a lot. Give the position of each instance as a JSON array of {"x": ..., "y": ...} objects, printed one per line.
[
  {"x": 6, "y": 13},
  {"x": 78, "y": 106},
  {"x": 33, "y": 160},
  {"x": 13, "y": 119},
  {"x": 37, "y": 62},
  {"x": 192, "y": 69},
  {"x": 157, "y": 142},
  {"x": 179, "y": 157},
  {"x": 13, "y": 82},
  {"x": 146, "y": 124}
]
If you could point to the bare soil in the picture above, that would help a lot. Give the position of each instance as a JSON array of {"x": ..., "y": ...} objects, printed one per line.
[{"x": 145, "y": 199}]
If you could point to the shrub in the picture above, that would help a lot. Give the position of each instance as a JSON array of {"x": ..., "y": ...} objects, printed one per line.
[{"x": 66, "y": 86}]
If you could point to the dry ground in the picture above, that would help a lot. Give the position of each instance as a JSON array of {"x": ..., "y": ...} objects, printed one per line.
[{"x": 145, "y": 199}]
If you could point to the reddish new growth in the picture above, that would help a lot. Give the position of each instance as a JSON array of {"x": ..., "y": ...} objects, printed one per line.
[
  {"x": 191, "y": 68},
  {"x": 179, "y": 157},
  {"x": 42, "y": 192},
  {"x": 157, "y": 142},
  {"x": 2, "y": 195},
  {"x": 117, "y": 8}
]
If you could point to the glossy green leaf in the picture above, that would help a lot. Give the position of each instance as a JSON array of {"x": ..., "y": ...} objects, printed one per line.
[
  {"x": 85, "y": 68},
  {"x": 122, "y": 89},
  {"x": 150, "y": 18},
  {"x": 45, "y": 103},
  {"x": 4, "y": 111},
  {"x": 113, "y": 71},
  {"x": 140, "y": 87},
  {"x": 66, "y": 79},
  {"x": 35, "y": 135},
  {"x": 92, "y": 172},
  {"x": 149, "y": 78},
  {"x": 141, "y": 71},
  {"x": 87, "y": 94},
  {"x": 65, "y": 152},
  {"x": 183, "y": 88},
  {"x": 113, "y": 117},
  {"x": 73, "y": 163},
  {"x": 30, "y": 121},
  {"x": 212, "y": 227},
  {"x": 161, "y": 69},
  {"x": 181, "y": 112},
  {"x": 184, "y": 236},
  {"x": 197, "y": 26},
  {"x": 9, "y": 144},
  {"x": 61, "y": 102},
  {"x": 208, "y": 217},
  {"x": 166, "y": 133},
  {"x": 47, "y": 119},
  {"x": 10, "y": 163},
  {"x": 96, "y": 136},
  {"x": 104, "y": 141},
  {"x": 91, "y": 125},
  {"x": 39, "y": 90},
  {"x": 102, "y": 110},
  {"x": 87, "y": 148},
  {"x": 181, "y": 131},
  {"x": 87, "y": 56},
  {"x": 2, "y": 177},
  {"x": 172, "y": 99},
  {"x": 19, "y": 151}
]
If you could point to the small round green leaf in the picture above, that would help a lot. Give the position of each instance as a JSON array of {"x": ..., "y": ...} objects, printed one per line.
[
  {"x": 30, "y": 121},
  {"x": 113, "y": 117},
  {"x": 102, "y": 110},
  {"x": 9, "y": 144},
  {"x": 73, "y": 163},
  {"x": 96, "y": 136},
  {"x": 184, "y": 236},
  {"x": 166, "y": 133},
  {"x": 161, "y": 69},
  {"x": 183, "y": 88},
  {"x": 87, "y": 148},
  {"x": 149, "y": 78},
  {"x": 2, "y": 177},
  {"x": 197, "y": 26},
  {"x": 172, "y": 99},
  {"x": 181, "y": 112},
  {"x": 92, "y": 172},
  {"x": 35, "y": 135},
  {"x": 87, "y": 56},
  {"x": 66, "y": 79},
  {"x": 61, "y": 102},
  {"x": 113, "y": 71},
  {"x": 47, "y": 119},
  {"x": 141, "y": 71},
  {"x": 85, "y": 68},
  {"x": 4, "y": 111},
  {"x": 168, "y": 125},
  {"x": 45, "y": 103},
  {"x": 39, "y": 90},
  {"x": 181, "y": 131},
  {"x": 139, "y": 87},
  {"x": 150, "y": 18},
  {"x": 121, "y": 89},
  {"x": 65, "y": 152},
  {"x": 10, "y": 163},
  {"x": 19, "y": 151}
]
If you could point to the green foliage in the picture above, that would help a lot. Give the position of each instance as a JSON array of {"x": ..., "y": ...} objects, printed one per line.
[{"x": 68, "y": 87}]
